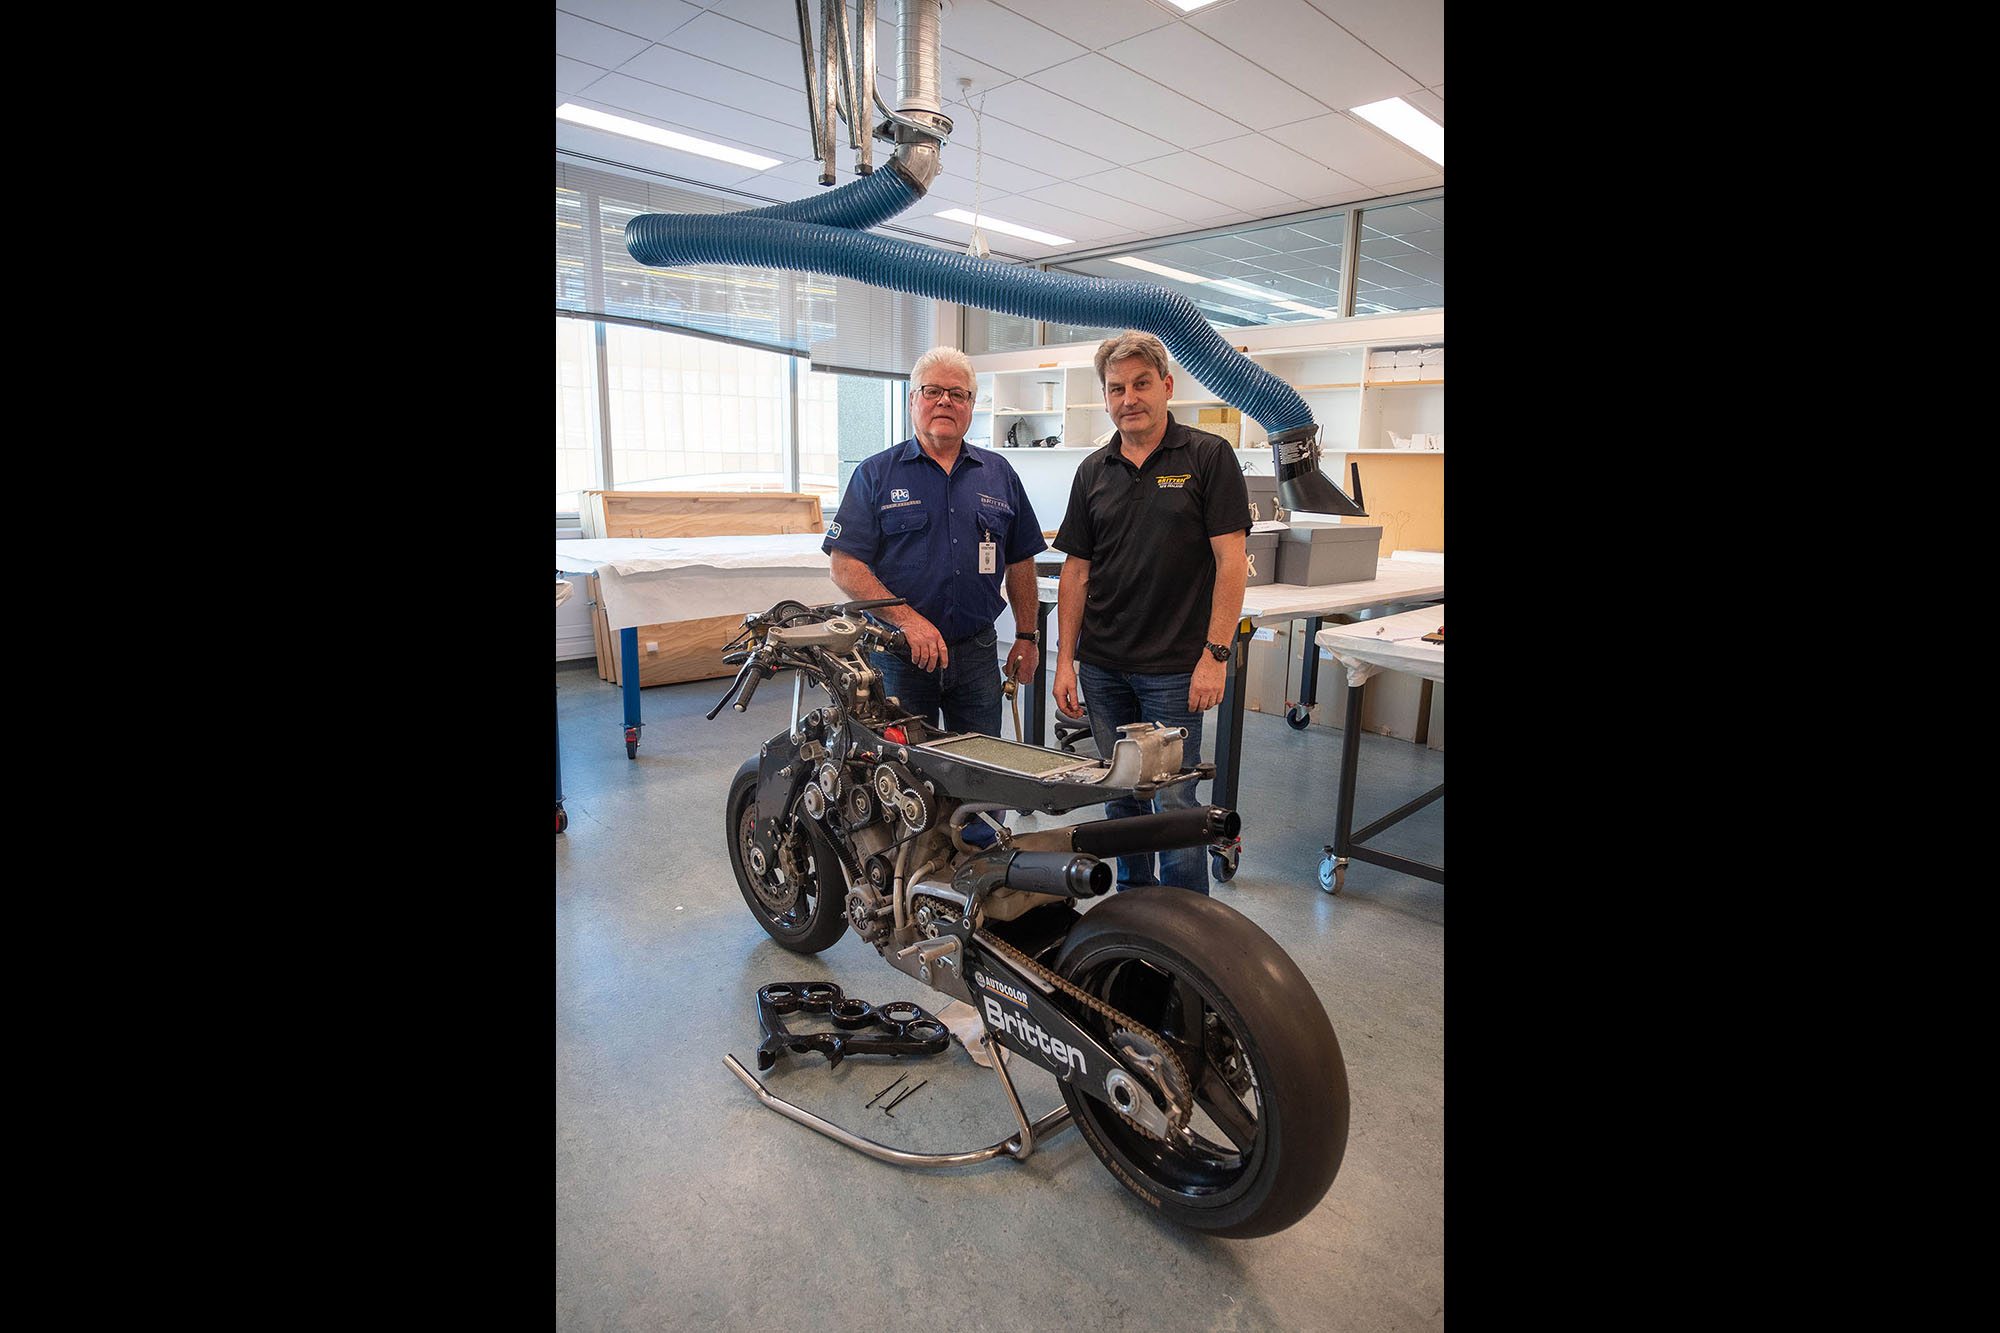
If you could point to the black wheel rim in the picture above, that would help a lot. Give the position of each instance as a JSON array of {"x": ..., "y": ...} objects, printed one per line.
[{"x": 1223, "y": 1141}]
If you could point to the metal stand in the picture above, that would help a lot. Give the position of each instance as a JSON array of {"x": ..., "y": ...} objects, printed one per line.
[
  {"x": 1347, "y": 839},
  {"x": 1017, "y": 1147}
]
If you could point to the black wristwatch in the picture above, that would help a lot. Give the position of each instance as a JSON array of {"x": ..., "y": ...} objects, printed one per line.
[
  {"x": 1218, "y": 651},
  {"x": 1030, "y": 636}
]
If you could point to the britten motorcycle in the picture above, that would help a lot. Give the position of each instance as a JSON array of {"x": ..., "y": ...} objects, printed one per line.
[{"x": 1190, "y": 1050}]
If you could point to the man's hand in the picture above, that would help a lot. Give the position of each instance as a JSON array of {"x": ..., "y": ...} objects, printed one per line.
[
  {"x": 926, "y": 644},
  {"x": 1021, "y": 659},
  {"x": 1066, "y": 688},
  {"x": 1205, "y": 689}
]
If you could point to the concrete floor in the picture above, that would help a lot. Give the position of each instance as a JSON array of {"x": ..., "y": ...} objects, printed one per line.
[{"x": 682, "y": 1202}]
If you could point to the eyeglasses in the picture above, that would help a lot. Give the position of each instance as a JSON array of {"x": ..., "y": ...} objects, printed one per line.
[{"x": 930, "y": 393}]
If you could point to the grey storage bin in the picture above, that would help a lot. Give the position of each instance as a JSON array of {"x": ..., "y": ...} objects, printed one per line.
[
  {"x": 1313, "y": 553},
  {"x": 1262, "y": 548},
  {"x": 1263, "y": 498}
]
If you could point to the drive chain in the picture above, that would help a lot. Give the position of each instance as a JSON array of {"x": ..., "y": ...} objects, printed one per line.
[{"x": 1182, "y": 1106}]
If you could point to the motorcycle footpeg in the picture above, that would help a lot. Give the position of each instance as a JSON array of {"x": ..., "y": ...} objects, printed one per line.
[{"x": 903, "y": 1028}]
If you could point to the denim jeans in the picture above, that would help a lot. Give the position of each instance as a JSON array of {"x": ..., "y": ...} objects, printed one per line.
[
  {"x": 967, "y": 689},
  {"x": 1115, "y": 698}
]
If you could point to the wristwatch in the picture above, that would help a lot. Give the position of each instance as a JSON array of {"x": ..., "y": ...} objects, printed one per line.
[
  {"x": 1030, "y": 636},
  {"x": 1218, "y": 651}
]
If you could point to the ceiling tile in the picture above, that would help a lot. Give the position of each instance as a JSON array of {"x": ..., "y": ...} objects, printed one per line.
[
  {"x": 1265, "y": 159},
  {"x": 995, "y": 176},
  {"x": 1157, "y": 195},
  {"x": 704, "y": 78},
  {"x": 1133, "y": 99},
  {"x": 595, "y": 44},
  {"x": 1060, "y": 121},
  {"x": 742, "y": 47},
  {"x": 1105, "y": 207},
  {"x": 1202, "y": 177},
  {"x": 1306, "y": 49},
  {"x": 651, "y": 19},
  {"x": 1182, "y": 57},
  {"x": 1095, "y": 24},
  {"x": 998, "y": 36},
  {"x": 1352, "y": 149},
  {"x": 692, "y": 115},
  {"x": 573, "y": 76},
  {"x": 1407, "y": 33},
  {"x": 780, "y": 18}
]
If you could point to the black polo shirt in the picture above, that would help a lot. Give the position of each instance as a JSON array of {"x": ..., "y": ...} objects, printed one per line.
[{"x": 1145, "y": 532}]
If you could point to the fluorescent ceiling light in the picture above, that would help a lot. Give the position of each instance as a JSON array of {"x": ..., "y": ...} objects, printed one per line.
[
  {"x": 1308, "y": 309},
  {"x": 1160, "y": 269},
  {"x": 1186, "y": 6},
  {"x": 1405, "y": 123},
  {"x": 1010, "y": 228},
  {"x": 632, "y": 129}
]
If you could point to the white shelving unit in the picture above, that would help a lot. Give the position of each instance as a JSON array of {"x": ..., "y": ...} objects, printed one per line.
[{"x": 1359, "y": 406}]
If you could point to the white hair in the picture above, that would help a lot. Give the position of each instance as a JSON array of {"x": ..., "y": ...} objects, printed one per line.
[{"x": 948, "y": 357}]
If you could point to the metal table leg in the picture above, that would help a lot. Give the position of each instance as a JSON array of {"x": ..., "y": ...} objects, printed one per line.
[
  {"x": 562, "y": 816},
  {"x": 1035, "y": 718},
  {"x": 628, "y": 667},
  {"x": 1229, "y": 723},
  {"x": 1347, "y": 839}
]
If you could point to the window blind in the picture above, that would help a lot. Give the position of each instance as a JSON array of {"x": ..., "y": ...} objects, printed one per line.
[{"x": 843, "y": 326}]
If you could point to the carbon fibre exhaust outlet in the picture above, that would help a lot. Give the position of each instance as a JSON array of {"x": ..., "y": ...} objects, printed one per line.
[{"x": 1168, "y": 829}]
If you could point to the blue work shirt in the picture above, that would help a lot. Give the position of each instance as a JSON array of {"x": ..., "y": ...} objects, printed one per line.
[{"x": 919, "y": 531}]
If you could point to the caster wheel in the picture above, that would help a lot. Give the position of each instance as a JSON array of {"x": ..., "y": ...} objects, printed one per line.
[
  {"x": 1298, "y": 717},
  {"x": 1332, "y": 873},
  {"x": 1222, "y": 865},
  {"x": 631, "y": 749},
  {"x": 562, "y": 819}
]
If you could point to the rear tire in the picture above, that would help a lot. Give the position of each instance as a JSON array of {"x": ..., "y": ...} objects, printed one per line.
[
  {"x": 813, "y": 919},
  {"x": 1269, "y": 1084}
]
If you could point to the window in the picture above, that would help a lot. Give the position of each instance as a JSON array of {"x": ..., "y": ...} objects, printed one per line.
[
  {"x": 693, "y": 414},
  {"x": 1402, "y": 258},
  {"x": 576, "y": 411}
]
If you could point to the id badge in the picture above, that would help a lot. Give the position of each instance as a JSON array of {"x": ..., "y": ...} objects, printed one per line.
[{"x": 989, "y": 557}]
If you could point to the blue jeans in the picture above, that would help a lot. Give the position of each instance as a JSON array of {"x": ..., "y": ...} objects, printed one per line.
[
  {"x": 1115, "y": 698},
  {"x": 967, "y": 689}
]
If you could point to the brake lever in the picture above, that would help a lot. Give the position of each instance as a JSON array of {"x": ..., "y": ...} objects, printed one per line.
[{"x": 748, "y": 668}]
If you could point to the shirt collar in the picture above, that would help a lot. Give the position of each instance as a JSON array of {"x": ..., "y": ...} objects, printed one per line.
[{"x": 910, "y": 450}]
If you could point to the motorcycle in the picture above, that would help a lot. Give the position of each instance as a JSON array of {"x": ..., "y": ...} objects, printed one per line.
[{"x": 1190, "y": 1051}]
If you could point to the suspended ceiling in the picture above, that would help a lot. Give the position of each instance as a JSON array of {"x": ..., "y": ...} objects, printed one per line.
[{"x": 1109, "y": 122}]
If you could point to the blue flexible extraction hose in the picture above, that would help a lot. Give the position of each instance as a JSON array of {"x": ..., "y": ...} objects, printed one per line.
[{"x": 826, "y": 234}]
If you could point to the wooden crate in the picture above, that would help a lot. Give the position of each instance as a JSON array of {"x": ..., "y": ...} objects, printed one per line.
[
  {"x": 684, "y": 649},
  {"x": 696, "y": 513}
]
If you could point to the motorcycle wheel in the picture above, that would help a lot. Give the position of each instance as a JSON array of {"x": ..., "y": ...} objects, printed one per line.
[
  {"x": 1269, "y": 1126},
  {"x": 816, "y": 919}
]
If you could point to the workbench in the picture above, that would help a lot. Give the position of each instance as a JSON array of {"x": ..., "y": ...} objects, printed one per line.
[
  {"x": 648, "y": 580},
  {"x": 1389, "y": 643},
  {"x": 1398, "y": 583}
]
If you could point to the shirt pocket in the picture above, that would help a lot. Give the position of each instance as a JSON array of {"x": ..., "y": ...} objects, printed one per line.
[{"x": 905, "y": 541}]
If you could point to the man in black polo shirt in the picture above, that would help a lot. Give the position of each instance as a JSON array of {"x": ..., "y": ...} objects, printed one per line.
[{"x": 1153, "y": 584}]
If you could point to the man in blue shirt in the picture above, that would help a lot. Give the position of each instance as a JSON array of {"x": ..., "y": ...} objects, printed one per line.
[{"x": 946, "y": 526}]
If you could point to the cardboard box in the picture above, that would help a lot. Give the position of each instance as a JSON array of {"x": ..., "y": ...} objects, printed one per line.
[
  {"x": 1262, "y": 550},
  {"x": 1316, "y": 553}
]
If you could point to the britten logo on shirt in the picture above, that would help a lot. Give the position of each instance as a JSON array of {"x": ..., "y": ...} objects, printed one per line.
[{"x": 1175, "y": 482}]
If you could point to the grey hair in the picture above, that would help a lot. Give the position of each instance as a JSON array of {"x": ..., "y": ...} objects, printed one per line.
[
  {"x": 1129, "y": 344},
  {"x": 948, "y": 357}
]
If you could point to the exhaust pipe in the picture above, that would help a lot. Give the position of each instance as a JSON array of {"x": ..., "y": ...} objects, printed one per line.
[
  {"x": 1157, "y": 832},
  {"x": 1064, "y": 874}
]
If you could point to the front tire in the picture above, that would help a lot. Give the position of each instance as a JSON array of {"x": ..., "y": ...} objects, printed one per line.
[
  {"x": 1269, "y": 1085},
  {"x": 802, "y": 916}
]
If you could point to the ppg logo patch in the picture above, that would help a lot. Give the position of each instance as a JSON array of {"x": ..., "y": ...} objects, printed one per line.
[
  {"x": 898, "y": 495},
  {"x": 833, "y": 528}
]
